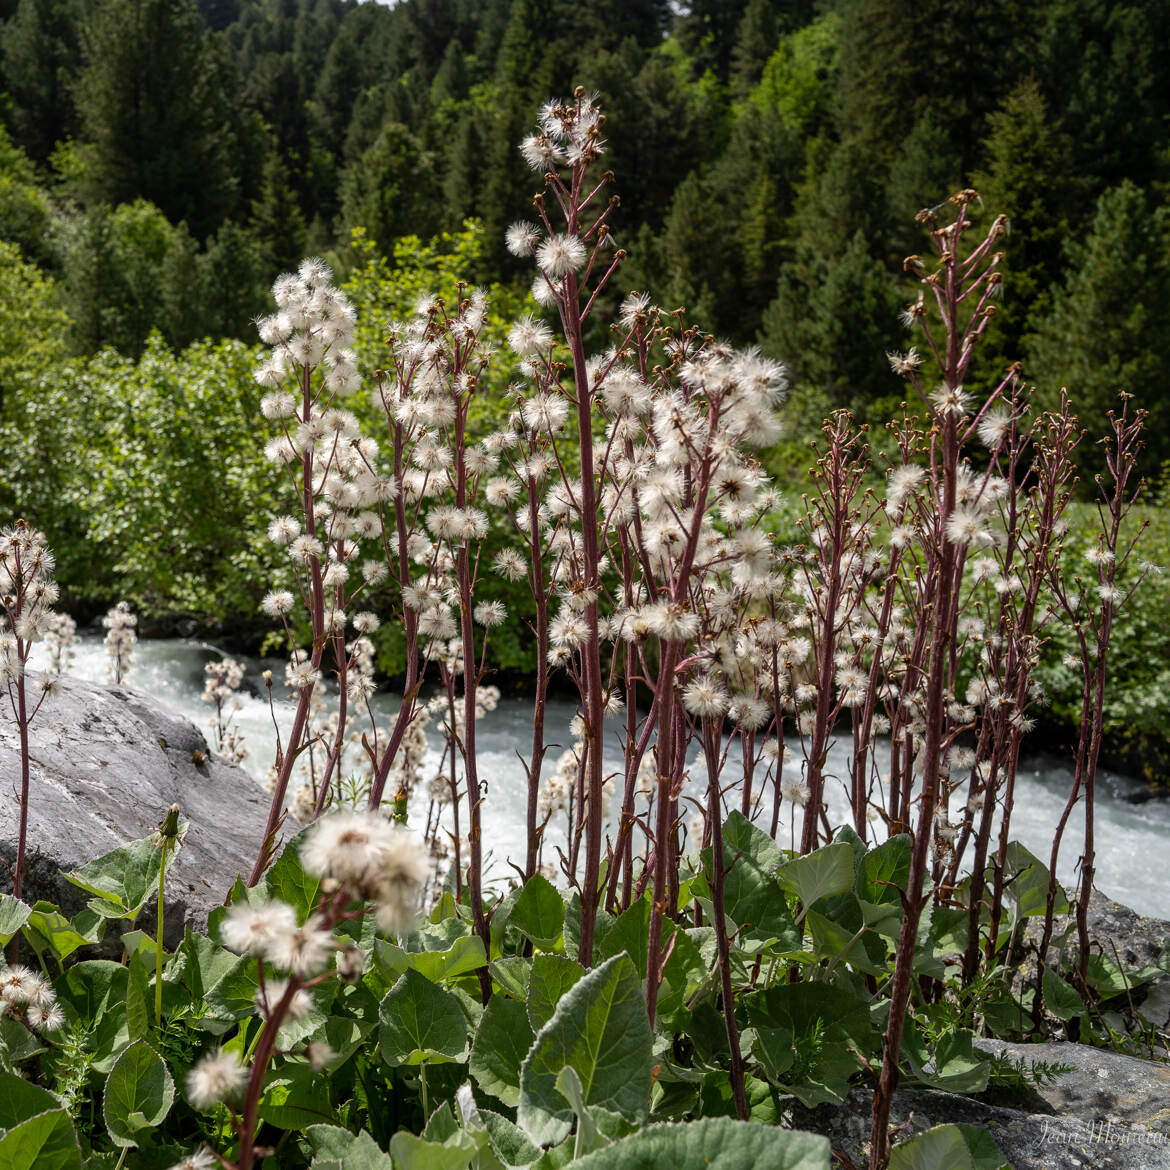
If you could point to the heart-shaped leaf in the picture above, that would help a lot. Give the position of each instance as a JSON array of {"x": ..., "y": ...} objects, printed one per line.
[
  {"x": 139, "y": 1094},
  {"x": 421, "y": 1022}
]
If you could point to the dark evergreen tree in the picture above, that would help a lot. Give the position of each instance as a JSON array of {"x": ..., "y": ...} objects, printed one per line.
[
  {"x": 1028, "y": 178},
  {"x": 233, "y": 284},
  {"x": 277, "y": 223},
  {"x": 755, "y": 41},
  {"x": 38, "y": 63},
  {"x": 392, "y": 191},
  {"x": 153, "y": 106},
  {"x": 523, "y": 68},
  {"x": 1103, "y": 65},
  {"x": 1108, "y": 328},
  {"x": 706, "y": 29},
  {"x": 924, "y": 171}
]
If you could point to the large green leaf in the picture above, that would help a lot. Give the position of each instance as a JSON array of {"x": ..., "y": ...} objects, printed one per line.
[
  {"x": 512, "y": 973},
  {"x": 589, "y": 1135},
  {"x": 421, "y": 1022},
  {"x": 685, "y": 970},
  {"x": 712, "y": 1143},
  {"x": 601, "y": 1030},
  {"x": 572, "y": 927},
  {"x": 293, "y": 1098},
  {"x": 335, "y": 1148},
  {"x": 49, "y": 931},
  {"x": 92, "y": 994},
  {"x": 809, "y": 1037},
  {"x": 234, "y": 993},
  {"x": 1026, "y": 880},
  {"x": 717, "y": 1099},
  {"x": 1060, "y": 997},
  {"x": 949, "y": 1147},
  {"x": 551, "y": 977},
  {"x": 287, "y": 881},
  {"x": 953, "y": 1066},
  {"x": 752, "y": 898},
  {"x": 838, "y": 931},
  {"x": 465, "y": 954},
  {"x": 820, "y": 874},
  {"x": 885, "y": 871},
  {"x": 1103, "y": 974},
  {"x": 18, "y": 1043},
  {"x": 415, "y": 1153},
  {"x": 20, "y": 1100},
  {"x": 123, "y": 879},
  {"x": 205, "y": 963},
  {"x": 43, "y": 1142},
  {"x": 539, "y": 912},
  {"x": 508, "y": 1141},
  {"x": 630, "y": 933},
  {"x": 13, "y": 915},
  {"x": 139, "y": 1094},
  {"x": 139, "y": 997},
  {"x": 752, "y": 842},
  {"x": 502, "y": 1040},
  {"x": 498, "y": 926}
]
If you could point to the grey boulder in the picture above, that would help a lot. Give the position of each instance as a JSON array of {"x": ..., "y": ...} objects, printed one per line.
[
  {"x": 106, "y": 764},
  {"x": 1110, "y": 1112}
]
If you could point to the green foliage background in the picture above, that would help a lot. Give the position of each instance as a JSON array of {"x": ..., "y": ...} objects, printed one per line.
[{"x": 162, "y": 160}]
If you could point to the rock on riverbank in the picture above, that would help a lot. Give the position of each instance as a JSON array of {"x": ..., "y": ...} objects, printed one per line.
[
  {"x": 1108, "y": 1111},
  {"x": 1111, "y": 1112},
  {"x": 107, "y": 763}
]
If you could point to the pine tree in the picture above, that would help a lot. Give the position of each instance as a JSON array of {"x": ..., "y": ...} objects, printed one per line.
[
  {"x": 832, "y": 322},
  {"x": 152, "y": 101},
  {"x": 1108, "y": 329},
  {"x": 523, "y": 79},
  {"x": 706, "y": 30},
  {"x": 38, "y": 55},
  {"x": 755, "y": 41},
  {"x": 232, "y": 283},
  {"x": 277, "y": 222},
  {"x": 1112, "y": 89},
  {"x": 1027, "y": 177},
  {"x": 392, "y": 190}
]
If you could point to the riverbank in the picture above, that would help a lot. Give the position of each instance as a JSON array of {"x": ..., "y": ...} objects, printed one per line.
[{"x": 1130, "y": 835}]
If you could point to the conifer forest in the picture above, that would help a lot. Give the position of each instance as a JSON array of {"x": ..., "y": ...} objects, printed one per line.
[{"x": 780, "y": 389}]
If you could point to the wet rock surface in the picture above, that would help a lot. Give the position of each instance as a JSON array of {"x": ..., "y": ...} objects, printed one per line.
[
  {"x": 107, "y": 763},
  {"x": 1107, "y": 1111},
  {"x": 1110, "y": 1112}
]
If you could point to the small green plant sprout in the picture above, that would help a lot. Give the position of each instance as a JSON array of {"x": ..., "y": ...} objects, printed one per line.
[
  {"x": 167, "y": 839},
  {"x": 121, "y": 638}
]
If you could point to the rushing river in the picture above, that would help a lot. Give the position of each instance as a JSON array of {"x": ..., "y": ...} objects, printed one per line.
[{"x": 1131, "y": 838}]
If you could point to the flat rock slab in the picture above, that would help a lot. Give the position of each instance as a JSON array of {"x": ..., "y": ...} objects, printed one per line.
[
  {"x": 1130, "y": 939},
  {"x": 1111, "y": 1112},
  {"x": 1123, "y": 935},
  {"x": 106, "y": 764}
]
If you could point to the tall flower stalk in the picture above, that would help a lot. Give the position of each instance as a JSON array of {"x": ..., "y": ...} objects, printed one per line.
[
  {"x": 27, "y": 594},
  {"x": 952, "y": 515},
  {"x": 337, "y": 487},
  {"x": 908, "y": 622},
  {"x": 1091, "y": 607}
]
